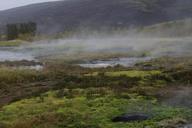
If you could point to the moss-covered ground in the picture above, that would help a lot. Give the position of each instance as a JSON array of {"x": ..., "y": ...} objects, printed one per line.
[{"x": 68, "y": 96}]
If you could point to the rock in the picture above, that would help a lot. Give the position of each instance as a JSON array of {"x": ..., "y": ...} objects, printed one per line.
[
  {"x": 130, "y": 118},
  {"x": 173, "y": 123}
]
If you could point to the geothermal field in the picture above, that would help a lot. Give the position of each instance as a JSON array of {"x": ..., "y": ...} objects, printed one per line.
[
  {"x": 138, "y": 81},
  {"x": 96, "y": 64}
]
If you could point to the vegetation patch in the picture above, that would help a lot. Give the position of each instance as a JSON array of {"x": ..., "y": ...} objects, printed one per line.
[
  {"x": 82, "y": 110},
  {"x": 133, "y": 73},
  {"x": 64, "y": 95},
  {"x": 12, "y": 43}
]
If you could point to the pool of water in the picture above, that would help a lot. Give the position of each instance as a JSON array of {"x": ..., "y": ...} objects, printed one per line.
[
  {"x": 33, "y": 67},
  {"x": 124, "y": 61},
  {"x": 12, "y": 54}
]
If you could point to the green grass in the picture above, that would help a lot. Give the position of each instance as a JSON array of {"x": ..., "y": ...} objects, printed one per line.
[
  {"x": 130, "y": 73},
  {"x": 10, "y": 43},
  {"x": 178, "y": 28},
  {"x": 10, "y": 75},
  {"x": 83, "y": 111},
  {"x": 133, "y": 73}
]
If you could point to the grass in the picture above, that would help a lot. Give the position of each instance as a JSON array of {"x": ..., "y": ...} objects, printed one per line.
[
  {"x": 83, "y": 111},
  {"x": 133, "y": 73},
  {"x": 129, "y": 73},
  {"x": 170, "y": 29},
  {"x": 9, "y": 75},
  {"x": 10, "y": 43}
]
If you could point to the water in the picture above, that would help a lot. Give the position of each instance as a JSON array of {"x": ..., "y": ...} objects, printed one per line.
[
  {"x": 14, "y": 56},
  {"x": 33, "y": 67},
  {"x": 112, "y": 44},
  {"x": 125, "y": 61}
]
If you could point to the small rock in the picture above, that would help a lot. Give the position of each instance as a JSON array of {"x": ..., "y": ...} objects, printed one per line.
[{"x": 173, "y": 123}]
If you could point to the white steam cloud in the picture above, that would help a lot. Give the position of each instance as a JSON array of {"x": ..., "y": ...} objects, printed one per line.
[{"x": 156, "y": 46}]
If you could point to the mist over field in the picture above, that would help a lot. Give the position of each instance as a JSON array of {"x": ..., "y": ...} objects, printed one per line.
[
  {"x": 165, "y": 39},
  {"x": 155, "y": 46}
]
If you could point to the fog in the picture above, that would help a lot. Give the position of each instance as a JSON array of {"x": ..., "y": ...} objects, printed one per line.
[{"x": 125, "y": 42}]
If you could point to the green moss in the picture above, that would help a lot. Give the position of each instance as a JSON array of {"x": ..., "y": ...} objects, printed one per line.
[
  {"x": 130, "y": 73},
  {"x": 133, "y": 73},
  {"x": 83, "y": 112}
]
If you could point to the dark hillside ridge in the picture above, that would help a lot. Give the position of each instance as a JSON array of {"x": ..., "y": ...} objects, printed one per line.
[{"x": 72, "y": 14}]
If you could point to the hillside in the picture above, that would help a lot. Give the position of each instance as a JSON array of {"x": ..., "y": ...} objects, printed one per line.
[
  {"x": 177, "y": 28},
  {"x": 58, "y": 16}
]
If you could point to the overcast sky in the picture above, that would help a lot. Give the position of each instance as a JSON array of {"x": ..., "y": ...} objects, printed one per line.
[{"x": 7, "y": 4}]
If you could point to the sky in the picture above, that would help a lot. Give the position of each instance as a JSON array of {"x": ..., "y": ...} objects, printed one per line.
[{"x": 7, "y": 4}]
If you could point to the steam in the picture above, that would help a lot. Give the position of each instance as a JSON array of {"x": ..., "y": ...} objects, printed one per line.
[
  {"x": 157, "y": 40},
  {"x": 156, "y": 46}
]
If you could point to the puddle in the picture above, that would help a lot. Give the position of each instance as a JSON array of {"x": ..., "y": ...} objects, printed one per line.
[
  {"x": 14, "y": 56},
  {"x": 126, "y": 62},
  {"x": 18, "y": 59},
  {"x": 34, "y": 67}
]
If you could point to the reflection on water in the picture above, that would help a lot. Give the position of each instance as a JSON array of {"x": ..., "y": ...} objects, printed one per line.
[{"x": 126, "y": 62}]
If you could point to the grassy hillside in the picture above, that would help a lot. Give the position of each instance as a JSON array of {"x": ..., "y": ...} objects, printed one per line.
[
  {"x": 53, "y": 17},
  {"x": 178, "y": 28}
]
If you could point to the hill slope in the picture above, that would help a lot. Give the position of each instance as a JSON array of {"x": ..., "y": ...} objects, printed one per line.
[{"x": 69, "y": 14}]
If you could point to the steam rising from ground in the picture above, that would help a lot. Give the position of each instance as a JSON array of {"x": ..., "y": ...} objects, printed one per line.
[
  {"x": 170, "y": 38},
  {"x": 130, "y": 43},
  {"x": 156, "y": 46}
]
